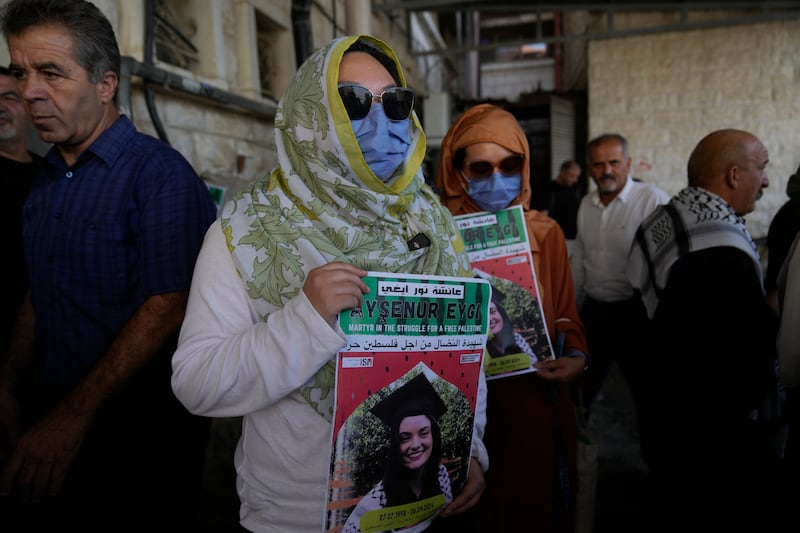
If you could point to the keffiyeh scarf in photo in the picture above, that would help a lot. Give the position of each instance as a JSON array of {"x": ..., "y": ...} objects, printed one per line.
[{"x": 693, "y": 220}]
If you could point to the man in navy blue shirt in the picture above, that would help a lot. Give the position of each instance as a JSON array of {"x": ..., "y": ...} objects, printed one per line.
[{"x": 112, "y": 228}]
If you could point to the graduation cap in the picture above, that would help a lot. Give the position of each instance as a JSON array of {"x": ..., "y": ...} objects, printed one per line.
[
  {"x": 415, "y": 397},
  {"x": 497, "y": 295}
]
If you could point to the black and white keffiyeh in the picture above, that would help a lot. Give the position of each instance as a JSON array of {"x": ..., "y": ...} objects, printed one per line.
[{"x": 693, "y": 220}]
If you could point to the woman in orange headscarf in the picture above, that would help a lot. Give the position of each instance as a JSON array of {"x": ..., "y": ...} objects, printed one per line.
[{"x": 530, "y": 431}]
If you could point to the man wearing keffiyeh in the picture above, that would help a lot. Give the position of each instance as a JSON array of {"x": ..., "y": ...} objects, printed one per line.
[{"x": 713, "y": 338}]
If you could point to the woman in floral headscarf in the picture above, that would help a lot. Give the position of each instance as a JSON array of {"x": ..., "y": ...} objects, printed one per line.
[
  {"x": 287, "y": 255},
  {"x": 485, "y": 165}
]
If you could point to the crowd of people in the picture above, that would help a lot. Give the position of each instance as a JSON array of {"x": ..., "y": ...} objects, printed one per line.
[{"x": 140, "y": 314}]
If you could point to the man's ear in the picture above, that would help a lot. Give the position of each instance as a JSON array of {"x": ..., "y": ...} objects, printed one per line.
[
  {"x": 732, "y": 177},
  {"x": 107, "y": 86}
]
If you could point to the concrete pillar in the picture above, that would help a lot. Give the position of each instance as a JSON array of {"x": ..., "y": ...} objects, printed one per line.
[{"x": 358, "y": 17}]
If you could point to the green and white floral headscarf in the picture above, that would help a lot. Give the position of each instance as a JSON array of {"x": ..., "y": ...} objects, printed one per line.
[{"x": 323, "y": 203}]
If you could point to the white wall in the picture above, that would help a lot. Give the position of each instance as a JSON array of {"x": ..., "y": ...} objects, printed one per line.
[{"x": 664, "y": 92}]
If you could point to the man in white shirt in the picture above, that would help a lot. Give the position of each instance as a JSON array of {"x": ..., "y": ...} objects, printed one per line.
[{"x": 608, "y": 218}]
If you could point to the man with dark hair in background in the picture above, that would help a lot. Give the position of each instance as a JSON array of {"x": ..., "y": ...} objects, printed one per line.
[
  {"x": 18, "y": 166},
  {"x": 565, "y": 196},
  {"x": 782, "y": 231}
]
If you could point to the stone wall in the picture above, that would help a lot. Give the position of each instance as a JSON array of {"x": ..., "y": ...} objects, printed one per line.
[{"x": 664, "y": 92}]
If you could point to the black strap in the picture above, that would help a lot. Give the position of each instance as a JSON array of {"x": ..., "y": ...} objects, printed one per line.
[{"x": 564, "y": 501}]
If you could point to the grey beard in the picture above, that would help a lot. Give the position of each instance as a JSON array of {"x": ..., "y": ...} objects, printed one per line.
[{"x": 8, "y": 134}]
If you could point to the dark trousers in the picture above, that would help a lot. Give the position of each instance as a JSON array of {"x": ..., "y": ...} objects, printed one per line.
[
  {"x": 617, "y": 332},
  {"x": 140, "y": 467},
  {"x": 789, "y": 477}
]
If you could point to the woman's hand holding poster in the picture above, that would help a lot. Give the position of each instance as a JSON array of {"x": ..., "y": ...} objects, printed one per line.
[
  {"x": 406, "y": 392},
  {"x": 500, "y": 252}
]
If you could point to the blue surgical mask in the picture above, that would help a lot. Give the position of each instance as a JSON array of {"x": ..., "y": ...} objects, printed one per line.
[
  {"x": 383, "y": 142},
  {"x": 496, "y": 192}
]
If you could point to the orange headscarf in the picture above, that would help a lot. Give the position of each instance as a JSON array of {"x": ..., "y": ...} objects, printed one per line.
[{"x": 481, "y": 123}]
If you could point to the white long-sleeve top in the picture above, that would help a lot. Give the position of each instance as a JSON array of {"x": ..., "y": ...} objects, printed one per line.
[
  {"x": 230, "y": 362},
  {"x": 605, "y": 234}
]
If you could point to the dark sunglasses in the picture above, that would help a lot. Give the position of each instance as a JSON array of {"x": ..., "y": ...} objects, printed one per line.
[
  {"x": 483, "y": 169},
  {"x": 398, "y": 102}
]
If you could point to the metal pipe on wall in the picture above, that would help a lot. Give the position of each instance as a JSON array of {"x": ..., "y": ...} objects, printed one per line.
[
  {"x": 301, "y": 30},
  {"x": 149, "y": 39},
  {"x": 358, "y": 17},
  {"x": 169, "y": 80}
]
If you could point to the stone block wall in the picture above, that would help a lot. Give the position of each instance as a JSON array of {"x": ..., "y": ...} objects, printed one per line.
[{"x": 665, "y": 91}]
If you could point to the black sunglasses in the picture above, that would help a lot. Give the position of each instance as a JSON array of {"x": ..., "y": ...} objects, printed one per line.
[
  {"x": 357, "y": 99},
  {"x": 483, "y": 169}
]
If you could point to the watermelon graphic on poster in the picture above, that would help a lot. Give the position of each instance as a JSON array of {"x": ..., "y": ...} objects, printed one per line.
[
  {"x": 500, "y": 252},
  {"x": 406, "y": 393}
]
